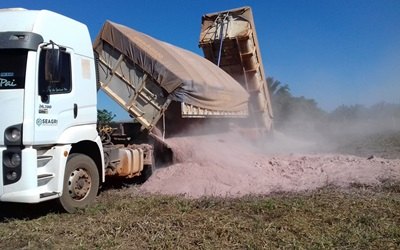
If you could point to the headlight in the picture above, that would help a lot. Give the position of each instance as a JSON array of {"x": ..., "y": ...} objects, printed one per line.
[
  {"x": 13, "y": 135},
  {"x": 12, "y": 165},
  {"x": 15, "y": 159},
  {"x": 12, "y": 160},
  {"x": 12, "y": 176}
]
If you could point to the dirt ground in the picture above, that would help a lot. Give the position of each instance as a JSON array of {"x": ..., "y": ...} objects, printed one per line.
[{"x": 232, "y": 165}]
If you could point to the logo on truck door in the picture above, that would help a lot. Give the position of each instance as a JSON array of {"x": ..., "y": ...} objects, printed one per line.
[{"x": 46, "y": 122}]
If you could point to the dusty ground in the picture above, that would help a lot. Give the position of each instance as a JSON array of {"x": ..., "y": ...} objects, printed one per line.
[
  {"x": 358, "y": 217},
  {"x": 232, "y": 165}
]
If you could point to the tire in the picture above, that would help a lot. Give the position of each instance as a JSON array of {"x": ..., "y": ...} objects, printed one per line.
[{"x": 81, "y": 183}]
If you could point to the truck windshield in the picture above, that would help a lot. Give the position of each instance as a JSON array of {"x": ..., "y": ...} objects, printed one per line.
[{"x": 12, "y": 68}]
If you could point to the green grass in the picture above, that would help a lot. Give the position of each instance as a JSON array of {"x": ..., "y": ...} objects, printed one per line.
[{"x": 359, "y": 218}]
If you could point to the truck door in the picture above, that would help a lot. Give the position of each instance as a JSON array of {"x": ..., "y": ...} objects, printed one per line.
[{"x": 55, "y": 105}]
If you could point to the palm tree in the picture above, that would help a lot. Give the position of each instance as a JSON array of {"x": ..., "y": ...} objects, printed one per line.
[{"x": 276, "y": 88}]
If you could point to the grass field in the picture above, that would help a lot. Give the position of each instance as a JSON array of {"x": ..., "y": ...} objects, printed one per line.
[{"x": 360, "y": 217}]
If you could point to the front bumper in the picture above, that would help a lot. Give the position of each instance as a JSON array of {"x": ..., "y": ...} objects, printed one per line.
[{"x": 40, "y": 179}]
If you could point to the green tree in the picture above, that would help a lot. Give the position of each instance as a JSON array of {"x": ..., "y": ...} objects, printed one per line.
[
  {"x": 291, "y": 112},
  {"x": 280, "y": 100},
  {"x": 276, "y": 88},
  {"x": 104, "y": 116}
]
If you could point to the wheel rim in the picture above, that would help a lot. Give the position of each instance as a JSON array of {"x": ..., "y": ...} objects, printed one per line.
[{"x": 79, "y": 184}]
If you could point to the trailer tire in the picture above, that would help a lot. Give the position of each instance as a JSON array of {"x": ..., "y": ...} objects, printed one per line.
[{"x": 81, "y": 183}]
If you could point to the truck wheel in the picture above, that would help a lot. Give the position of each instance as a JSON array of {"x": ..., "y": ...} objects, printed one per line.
[{"x": 81, "y": 183}]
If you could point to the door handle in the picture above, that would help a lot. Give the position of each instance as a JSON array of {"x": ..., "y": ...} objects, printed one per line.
[{"x": 75, "y": 110}]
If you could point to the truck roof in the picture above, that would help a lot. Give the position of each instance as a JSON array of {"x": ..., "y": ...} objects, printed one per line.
[{"x": 50, "y": 25}]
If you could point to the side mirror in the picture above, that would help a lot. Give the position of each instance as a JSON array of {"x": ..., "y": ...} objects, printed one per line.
[{"x": 52, "y": 68}]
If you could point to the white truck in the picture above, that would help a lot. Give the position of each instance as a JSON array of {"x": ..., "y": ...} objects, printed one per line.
[{"x": 50, "y": 74}]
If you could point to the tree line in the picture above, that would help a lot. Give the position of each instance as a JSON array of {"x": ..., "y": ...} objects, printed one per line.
[{"x": 301, "y": 113}]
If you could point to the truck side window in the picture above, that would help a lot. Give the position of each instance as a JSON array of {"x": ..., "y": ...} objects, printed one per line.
[{"x": 63, "y": 86}]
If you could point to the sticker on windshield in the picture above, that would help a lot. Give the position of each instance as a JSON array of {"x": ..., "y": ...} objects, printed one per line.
[
  {"x": 6, "y": 74},
  {"x": 7, "y": 80}
]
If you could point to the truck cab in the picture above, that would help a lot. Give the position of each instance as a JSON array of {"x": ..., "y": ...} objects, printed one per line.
[{"x": 49, "y": 113}]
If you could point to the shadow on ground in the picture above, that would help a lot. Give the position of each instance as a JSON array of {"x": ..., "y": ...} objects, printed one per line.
[{"x": 10, "y": 211}]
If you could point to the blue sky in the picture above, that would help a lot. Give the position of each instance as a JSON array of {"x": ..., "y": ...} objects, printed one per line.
[{"x": 334, "y": 51}]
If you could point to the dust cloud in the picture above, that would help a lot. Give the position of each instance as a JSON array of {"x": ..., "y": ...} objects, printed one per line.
[{"x": 238, "y": 163}]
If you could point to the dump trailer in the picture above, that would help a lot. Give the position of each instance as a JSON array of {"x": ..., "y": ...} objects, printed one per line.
[
  {"x": 229, "y": 40},
  {"x": 50, "y": 73},
  {"x": 144, "y": 75}
]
